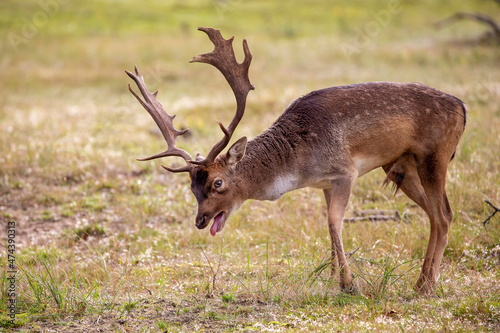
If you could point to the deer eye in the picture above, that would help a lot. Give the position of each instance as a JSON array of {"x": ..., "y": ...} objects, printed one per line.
[{"x": 218, "y": 183}]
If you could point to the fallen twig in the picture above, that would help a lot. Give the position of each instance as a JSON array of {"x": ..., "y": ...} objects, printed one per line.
[
  {"x": 373, "y": 215},
  {"x": 371, "y": 218},
  {"x": 470, "y": 16},
  {"x": 495, "y": 210},
  {"x": 352, "y": 253},
  {"x": 215, "y": 273}
]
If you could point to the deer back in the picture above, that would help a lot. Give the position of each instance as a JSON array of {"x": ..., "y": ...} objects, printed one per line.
[{"x": 361, "y": 126}]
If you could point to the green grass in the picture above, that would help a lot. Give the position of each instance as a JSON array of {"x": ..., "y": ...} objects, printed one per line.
[{"x": 108, "y": 241}]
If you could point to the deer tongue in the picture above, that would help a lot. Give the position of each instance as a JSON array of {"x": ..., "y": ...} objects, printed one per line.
[{"x": 218, "y": 223}]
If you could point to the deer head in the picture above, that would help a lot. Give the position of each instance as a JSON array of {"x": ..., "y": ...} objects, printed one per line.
[{"x": 213, "y": 180}]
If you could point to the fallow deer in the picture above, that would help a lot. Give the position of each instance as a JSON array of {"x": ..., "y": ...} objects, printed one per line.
[{"x": 325, "y": 139}]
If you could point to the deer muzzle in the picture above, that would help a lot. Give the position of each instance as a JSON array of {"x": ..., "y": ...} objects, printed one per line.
[
  {"x": 219, "y": 219},
  {"x": 201, "y": 221}
]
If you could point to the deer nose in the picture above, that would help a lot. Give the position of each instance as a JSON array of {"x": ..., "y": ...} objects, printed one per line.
[{"x": 201, "y": 222}]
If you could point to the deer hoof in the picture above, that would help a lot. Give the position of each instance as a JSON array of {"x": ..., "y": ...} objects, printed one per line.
[{"x": 425, "y": 287}]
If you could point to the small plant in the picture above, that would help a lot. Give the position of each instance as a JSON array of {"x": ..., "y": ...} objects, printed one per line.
[
  {"x": 46, "y": 215},
  {"x": 6, "y": 322},
  {"x": 93, "y": 204},
  {"x": 130, "y": 305},
  {"x": 89, "y": 230},
  {"x": 226, "y": 298},
  {"x": 213, "y": 315},
  {"x": 380, "y": 275},
  {"x": 162, "y": 325}
]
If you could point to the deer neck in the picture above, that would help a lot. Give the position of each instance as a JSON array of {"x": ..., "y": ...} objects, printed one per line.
[{"x": 268, "y": 169}]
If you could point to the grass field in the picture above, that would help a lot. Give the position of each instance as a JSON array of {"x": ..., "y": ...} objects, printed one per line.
[{"x": 105, "y": 243}]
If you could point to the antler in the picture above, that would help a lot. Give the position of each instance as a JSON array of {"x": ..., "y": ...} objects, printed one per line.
[
  {"x": 164, "y": 122},
  {"x": 236, "y": 74}
]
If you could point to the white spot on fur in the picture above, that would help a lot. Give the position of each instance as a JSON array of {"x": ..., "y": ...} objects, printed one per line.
[
  {"x": 365, "y": 164},
  {"x": 281, "y": 185}
]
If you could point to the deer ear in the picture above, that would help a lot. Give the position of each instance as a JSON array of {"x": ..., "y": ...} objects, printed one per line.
[{"x": 237, "y": 151}]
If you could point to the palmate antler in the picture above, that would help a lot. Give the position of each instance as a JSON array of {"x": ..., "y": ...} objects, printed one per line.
[
  {"x": 236, "y": 74},
  {"x": 163, "y": 120}
]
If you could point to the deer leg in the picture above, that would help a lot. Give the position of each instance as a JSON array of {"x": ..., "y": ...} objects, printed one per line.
[
  {"x": 339, "y": 196},
  {"x": 425, "y": 186},
  {"x": 437, "y": 241},
  {"x": 328, "y": 196},
  {"x": 412, "y": 186},
  {"x": 448, "y": 212}
]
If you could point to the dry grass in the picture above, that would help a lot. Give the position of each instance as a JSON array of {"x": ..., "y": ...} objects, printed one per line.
[{"x": 107, "y": 242}]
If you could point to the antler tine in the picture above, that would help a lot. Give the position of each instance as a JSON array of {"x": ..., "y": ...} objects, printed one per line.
[
  {"x": 236, "y": 74},
  {"x": 162, "y": 119}
]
